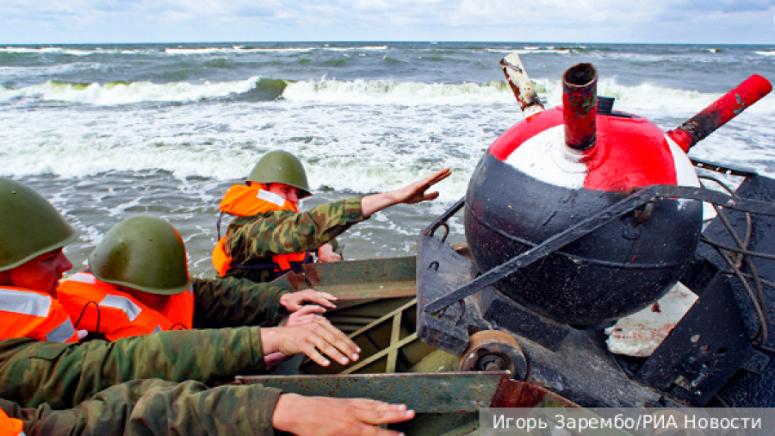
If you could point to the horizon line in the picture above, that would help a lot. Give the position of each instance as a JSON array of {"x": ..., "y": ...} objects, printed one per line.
[{"x": 384, "y": 41}]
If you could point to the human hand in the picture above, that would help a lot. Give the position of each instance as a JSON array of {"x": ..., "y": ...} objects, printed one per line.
[
  {"x": 304, "y": 315},
  {"x": 315, "y": 338},
  {"x": 326, "y": 254},
  {"x": 336, "y": 416},
  {"x": 294, "y": 301},
  {"x": 415, "y": 192}
]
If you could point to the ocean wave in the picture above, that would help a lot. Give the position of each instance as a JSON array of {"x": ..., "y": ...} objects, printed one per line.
[
  {"x": 238, "y": 49},
  {"x": 361, "y": 92},
  {"x": 365, "y": 47},
  {"x": 74, "y": 51},
  {"x": 118, "y": 93},
  {"x": 233, "y": 50},
  {"x": 765, "y": 52},
  {"x": 634, "y": 98},
  {"x": 46, "y": 50},
  {"x": 532, "y": 50},
  {"x": 396, "y": 92}
]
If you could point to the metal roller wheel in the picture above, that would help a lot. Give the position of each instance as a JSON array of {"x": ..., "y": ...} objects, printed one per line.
[{"x": 494, "y": 350}]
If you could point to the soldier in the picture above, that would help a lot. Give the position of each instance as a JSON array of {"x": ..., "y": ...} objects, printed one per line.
[
  {"x": 160, "y": 407},
  {"x": 63, "y": 375},
  {"x": 269, "y": 236},
  {"x": 139, "y": 284}
]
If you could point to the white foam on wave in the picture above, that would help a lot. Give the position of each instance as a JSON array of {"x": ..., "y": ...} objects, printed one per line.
[
  {"x": 46, "y": 50},
  {"x": 365, "y": 47},
  {"x": 644, "y": 97},
  {"x": 648, "y": 98},
  {"x": 347, "y": 149},
  {"x": 232, "y": 50},
  {"x": 396, "y": 92},
  {"x": 238, "y": 49},
  {"x": 530, "y": 50},
  {"x": 74, "y": 51},
  {"x": 117, "y": 93},
  {"x": 765, "y": 52}
]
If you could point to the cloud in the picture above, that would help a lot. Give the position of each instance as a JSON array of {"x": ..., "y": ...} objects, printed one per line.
[{"x": 611, "y": 20}]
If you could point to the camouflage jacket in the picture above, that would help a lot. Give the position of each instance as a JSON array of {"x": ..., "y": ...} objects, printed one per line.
[
  {"x": 233, "y": 302},
  {"x": 255, "y": 238},
  {"x": 157, "y": 407},
  {"x": 64, "y": 375}
]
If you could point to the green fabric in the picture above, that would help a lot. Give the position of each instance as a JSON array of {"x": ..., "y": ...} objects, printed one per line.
[
  {"x": 63, "y": 375},
  {"x": 29, "y": 225},
  {"x": 157, "y": 407},
  {"x": 233, "y": 302},
  {"x": 279, "y": 166},
  {"x": 253, "y": 239},
  {"x": 144, "y": 253}
]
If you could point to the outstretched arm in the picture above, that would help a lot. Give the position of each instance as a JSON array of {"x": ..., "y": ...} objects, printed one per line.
[{"x": 410, "y": 194}]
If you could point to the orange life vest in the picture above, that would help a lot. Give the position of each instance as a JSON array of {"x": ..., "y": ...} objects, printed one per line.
[
  {"x": 244, "y": 200},
  {"x": 102, "y": 308},
  {"x": 10, "y": 426},
  {"x": 25, "y": 313}
]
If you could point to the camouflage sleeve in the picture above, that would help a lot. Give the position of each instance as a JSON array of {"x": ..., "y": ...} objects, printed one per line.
[
  {"x": 251, "y": 238},
  {"x": 232, "y": 302},
  {"x": 157, "y": 407},
  {"x": 63, "y": 375}
]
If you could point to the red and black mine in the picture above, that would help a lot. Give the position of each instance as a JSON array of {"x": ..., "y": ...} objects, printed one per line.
[{"x": 561, "y": 165}]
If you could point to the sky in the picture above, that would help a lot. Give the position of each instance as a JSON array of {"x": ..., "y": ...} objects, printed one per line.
[{"x": 657, "y": 21}]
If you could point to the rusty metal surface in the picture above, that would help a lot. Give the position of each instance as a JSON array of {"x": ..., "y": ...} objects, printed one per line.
[
  {"x": 452, "y": 392},
  {"x": 514, "y": 393},
  {"x": 721, "y": 111},
  {"x": 579, "y": 106},
  {"x": 357, "y": 279},
  {"x": 490, "y": 350},
  {"x": 520, "y": 84}
]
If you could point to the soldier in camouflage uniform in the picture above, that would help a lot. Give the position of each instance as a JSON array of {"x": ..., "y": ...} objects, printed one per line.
[
  {"x": 251, "y": 241},
  {"x": 160, "y": 407},
  {"x": 62, "y": 375},
  {"x": 139, "y": 269}
]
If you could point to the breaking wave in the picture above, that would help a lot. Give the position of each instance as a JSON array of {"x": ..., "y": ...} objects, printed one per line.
[
  {"x": 360, "y": 92},
  {"x": 119, "y": 93}
]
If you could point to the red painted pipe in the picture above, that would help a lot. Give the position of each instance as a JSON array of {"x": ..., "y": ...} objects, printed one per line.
[
  {"x": 579, "y": 106},
  {"x": 720, "y": 111}
]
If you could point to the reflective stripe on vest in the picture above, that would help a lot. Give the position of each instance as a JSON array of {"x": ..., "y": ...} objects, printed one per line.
[
  {"x": 123, "y": 304},
  {"x": 102, "y": 308},
  {"x": 10, "y": 426},
  {"x": 241, "y": 201},
  {"x": 62, "y": 332},
  {"x": 25, "y": 313},
  {"x": 24, "y": 302}
]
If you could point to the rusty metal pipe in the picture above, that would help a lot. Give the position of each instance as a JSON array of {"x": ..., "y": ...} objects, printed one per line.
[
  {"x": 520, "y": 84},
  {"x": 579, "y": 106},
  {"x": 718, "y": 113}
]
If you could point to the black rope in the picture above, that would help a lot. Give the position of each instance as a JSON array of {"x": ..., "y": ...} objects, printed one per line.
[
  {"x": 83, "y": 312},
  {"x": 763, "y": 328},
  {"x": 218, "y": 225}
]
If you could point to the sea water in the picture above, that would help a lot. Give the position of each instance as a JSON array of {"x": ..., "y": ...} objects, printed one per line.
[{"x": 109, "y": 131}]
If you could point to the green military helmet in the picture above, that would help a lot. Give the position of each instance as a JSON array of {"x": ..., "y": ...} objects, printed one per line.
[
  {"x": 29, "y": 225},
  {"x": 143, "y": 253},
  {"x": 279, "y": 166}
]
